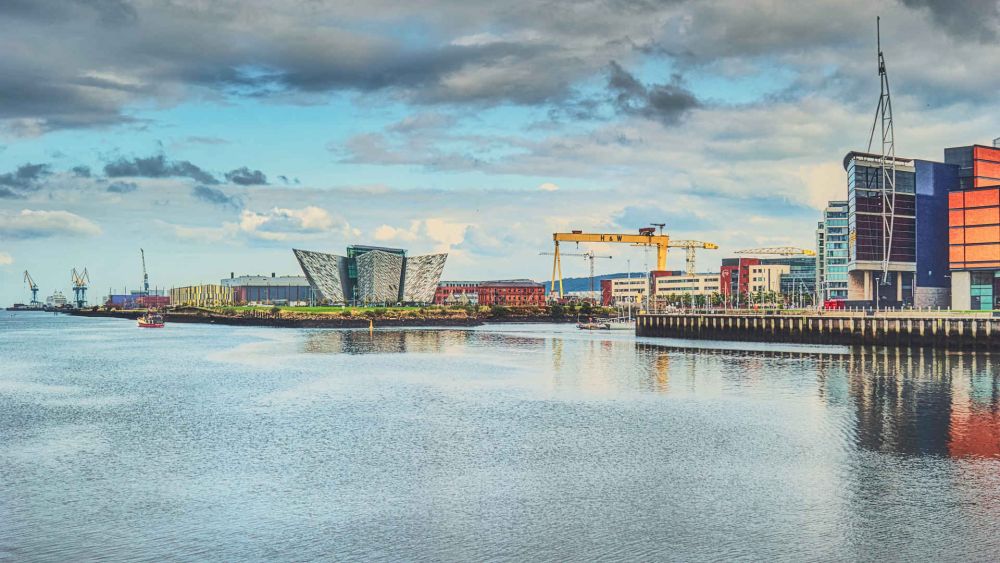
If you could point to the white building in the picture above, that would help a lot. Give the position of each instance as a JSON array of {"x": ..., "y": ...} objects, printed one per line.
[
  {"x": 698, "y": 284},
  {"x": 765, "y": 278}
]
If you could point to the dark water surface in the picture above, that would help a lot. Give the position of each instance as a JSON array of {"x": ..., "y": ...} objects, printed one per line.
[{"x": 510, "y": 442}]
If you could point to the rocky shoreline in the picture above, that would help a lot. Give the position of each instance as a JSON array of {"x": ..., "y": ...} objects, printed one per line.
[{"x": 285, "y": 320}]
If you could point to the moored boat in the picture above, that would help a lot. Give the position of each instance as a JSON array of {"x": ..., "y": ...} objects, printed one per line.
[{"x": 151, "y": 319}]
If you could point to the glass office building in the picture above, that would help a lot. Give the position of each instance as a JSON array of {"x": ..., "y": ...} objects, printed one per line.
[{"x": 832, "y": 252}]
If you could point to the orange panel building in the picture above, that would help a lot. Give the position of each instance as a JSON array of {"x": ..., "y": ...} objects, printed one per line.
[{"x": 974, "y": 228}]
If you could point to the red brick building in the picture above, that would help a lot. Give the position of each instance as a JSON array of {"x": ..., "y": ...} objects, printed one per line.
[
  {"x": 456, "y": 292},
  {"x": 512, "y": 293}
]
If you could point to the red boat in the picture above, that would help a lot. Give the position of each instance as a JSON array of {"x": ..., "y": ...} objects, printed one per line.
[{"x": 151, "y": 320}]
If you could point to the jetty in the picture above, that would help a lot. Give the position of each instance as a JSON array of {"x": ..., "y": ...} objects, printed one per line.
[{"x": 890, "y": 329}]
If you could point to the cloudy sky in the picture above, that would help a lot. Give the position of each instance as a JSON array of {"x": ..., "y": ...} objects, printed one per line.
[{"x": 219, "y": 135}]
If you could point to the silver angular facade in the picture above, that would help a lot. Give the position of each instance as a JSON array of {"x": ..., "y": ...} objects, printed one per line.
[
  {"x": 379, "y": 277},
  {"x": 421, "y": 277},
  {"x": 327, "y": 274},
  {"x": 375, "y": 276}
]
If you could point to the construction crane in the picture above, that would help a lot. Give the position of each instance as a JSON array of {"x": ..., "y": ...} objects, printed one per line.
[
  {"x": 145, "y": 276},
  {"x": 33, "y": 287},
  {"x": 689, "y": 247},
  {"x": 80, "y": 282},
  {"x": 588, "y": 255},
  {"x": 647, "y": 237},
  {"x": 779, "y": 251}
]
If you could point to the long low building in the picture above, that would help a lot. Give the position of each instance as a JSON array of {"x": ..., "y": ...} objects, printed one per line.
[
  {"x": 269, "y": 290},
  {"x": 508, "y": 293},
  {"x": 209, "y": 295}
]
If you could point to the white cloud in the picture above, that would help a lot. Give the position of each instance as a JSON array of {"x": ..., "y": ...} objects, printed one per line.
[
  {"x": 5, "y": 259},
  {"x": 548, "y": 187},
  {"x": 283, "y": 224},
  {"x": 443, "y": 233},
  {"x": 43, "y": 224}
]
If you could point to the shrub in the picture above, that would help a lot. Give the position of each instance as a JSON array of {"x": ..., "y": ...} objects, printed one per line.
[{"x": 499, "y": 311}]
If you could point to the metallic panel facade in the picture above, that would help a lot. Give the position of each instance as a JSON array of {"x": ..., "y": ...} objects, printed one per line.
[
  {"x": 379, "y": 277},
  {"x": 421, "y": 276},
  {"x": 327, "y": 274}
]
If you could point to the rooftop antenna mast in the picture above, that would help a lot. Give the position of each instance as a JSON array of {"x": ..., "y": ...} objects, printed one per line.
[{"x": 887, "y": 156}]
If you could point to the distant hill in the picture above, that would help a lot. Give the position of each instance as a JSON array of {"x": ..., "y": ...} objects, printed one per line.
[{"x": 583, "y": 284}]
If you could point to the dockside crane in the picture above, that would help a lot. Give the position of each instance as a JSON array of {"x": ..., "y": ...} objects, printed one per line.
[
  {"x": 689, "y": 247},
  {"x": 145, "y": 276},
  {"x": 589, "y": 255},
  {"x": 80, "y": 282},
  {"x": 647, "y": 237},
  {"x": 34, "y": 289},
  {"x": 779, "y": 251}
]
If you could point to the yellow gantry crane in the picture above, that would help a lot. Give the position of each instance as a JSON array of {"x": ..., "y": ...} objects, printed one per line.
[
  {"x": 689, "y": 247},
  {"x": 647, "y": 237},
  {"x": 779, "y": 251}
]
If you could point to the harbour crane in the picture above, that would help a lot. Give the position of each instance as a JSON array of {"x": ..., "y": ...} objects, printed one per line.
[
  {"x": 145, "y": 276},
  {"x": 33, "y": 287},
  {"x": 80, "y": 282},
  {"x": 779, "y": 251},
  {"x": 589, "y": 255},
  {"x": 689, "y": 247},
  {"x": 647, "y": 237}
]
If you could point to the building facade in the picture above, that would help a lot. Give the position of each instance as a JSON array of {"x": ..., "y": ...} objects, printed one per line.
[
  {"x": 512, "y": 293},
  {"x": 698, "y": 284},
  {"x": 734, "y": 278},
  {"x": 269, "y": 290},
  {"x": 202, "y": 296},
  {"x": 880, "y": 230},
  {"x": 832, "y": 253},
  {"x": 457, "y": 293},
  {"x": 372, "y": 275},
  {"x": 766, "y": 278},
  {"x": 974, "y": 228}
]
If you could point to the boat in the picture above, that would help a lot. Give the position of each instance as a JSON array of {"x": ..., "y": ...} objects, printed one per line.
[
  {"x": 592, "y": 326},
  {"x": 624, "y": 321},
  {"x": 151, "y": 319}
]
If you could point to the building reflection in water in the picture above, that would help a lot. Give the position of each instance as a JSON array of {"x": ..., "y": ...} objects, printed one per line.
[{"x": 905, "y": 402}]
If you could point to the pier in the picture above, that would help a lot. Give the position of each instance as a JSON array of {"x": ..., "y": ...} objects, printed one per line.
[{"x": 961, "y": 333}]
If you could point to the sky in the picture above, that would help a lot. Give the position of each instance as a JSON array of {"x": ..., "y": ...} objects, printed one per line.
[{"x": 217, "y": 136}]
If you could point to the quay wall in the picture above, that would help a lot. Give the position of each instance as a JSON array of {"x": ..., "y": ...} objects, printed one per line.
[{"x": 960, "y": 333}]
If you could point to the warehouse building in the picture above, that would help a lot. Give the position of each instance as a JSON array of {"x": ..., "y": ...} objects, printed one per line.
[
  {"x": 269, "y": 290},
  {"x": 512, "y": 293}
]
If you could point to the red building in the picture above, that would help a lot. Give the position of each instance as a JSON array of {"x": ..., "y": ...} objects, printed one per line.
[
  {"x": 734, "y": 277},
  {"x": 512, "y": 293},
  {"x": 606, "y": 293},
  {"x": 451, "y": 292}
]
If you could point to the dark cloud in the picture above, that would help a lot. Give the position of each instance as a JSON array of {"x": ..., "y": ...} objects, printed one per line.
[
  {"x": 216, "y": 196},
  {"x": 246, "y": 177},
  {"x": 666, "y": 103},
  {"x": 122, "y": 187},
  {"x": 157, "y": 167},
  {"x": 26, "y": 178},
  {"x": 81, "y": 171},
  {"x": 968, "y": 19}
]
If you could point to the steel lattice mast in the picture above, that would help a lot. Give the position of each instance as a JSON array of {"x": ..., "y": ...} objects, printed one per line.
[{"x": 887, "y": 157}]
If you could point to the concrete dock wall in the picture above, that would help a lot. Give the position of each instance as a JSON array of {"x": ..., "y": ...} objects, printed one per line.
[{"x": 951, "y": 333}]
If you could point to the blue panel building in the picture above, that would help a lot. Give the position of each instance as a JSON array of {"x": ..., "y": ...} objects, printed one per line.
[{"x": 933, "y": 182}]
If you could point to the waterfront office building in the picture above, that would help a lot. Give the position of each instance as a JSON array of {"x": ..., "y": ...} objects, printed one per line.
[
  {"x": 974, "y": 228},
  {"x": 800, "y": 277},
  {"x": 699, "y": 284},
  {"x": 269, "y": 290},
  {"x": 917, "y": 269},
  {"x": 372, "y": 275},
  {"x": 832, "y": 253}
]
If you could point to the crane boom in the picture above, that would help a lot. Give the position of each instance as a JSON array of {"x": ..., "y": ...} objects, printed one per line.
[
  {"x": 689, "y": 247},
  {"x": 145, "y": 276},
  {"x": 779, "y": 250},
  {"x": 33, "y": 287}
]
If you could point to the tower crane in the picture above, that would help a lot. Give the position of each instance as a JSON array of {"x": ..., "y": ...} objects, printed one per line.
[
  {"x": 646, "y": 237},
  {"x": 689, "y": 247},
  {"x": 589, "y": 255},
  {"x": 33, "y": 287},
  {"x": 145, "y": 276},
  {"x": 779, "y": 251},
  {"x": 80, "y": 282}
]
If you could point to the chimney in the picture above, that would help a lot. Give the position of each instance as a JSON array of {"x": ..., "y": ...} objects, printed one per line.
[
  {"x": 232, "y": 275},
  {"x": 272, "y": 274}
]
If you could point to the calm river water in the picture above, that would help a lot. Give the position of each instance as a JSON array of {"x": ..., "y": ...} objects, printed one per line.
[{"x": 502, "y": 442}]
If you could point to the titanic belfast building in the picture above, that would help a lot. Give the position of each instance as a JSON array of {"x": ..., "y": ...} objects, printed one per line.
[{"x": 372, "y": 275}]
